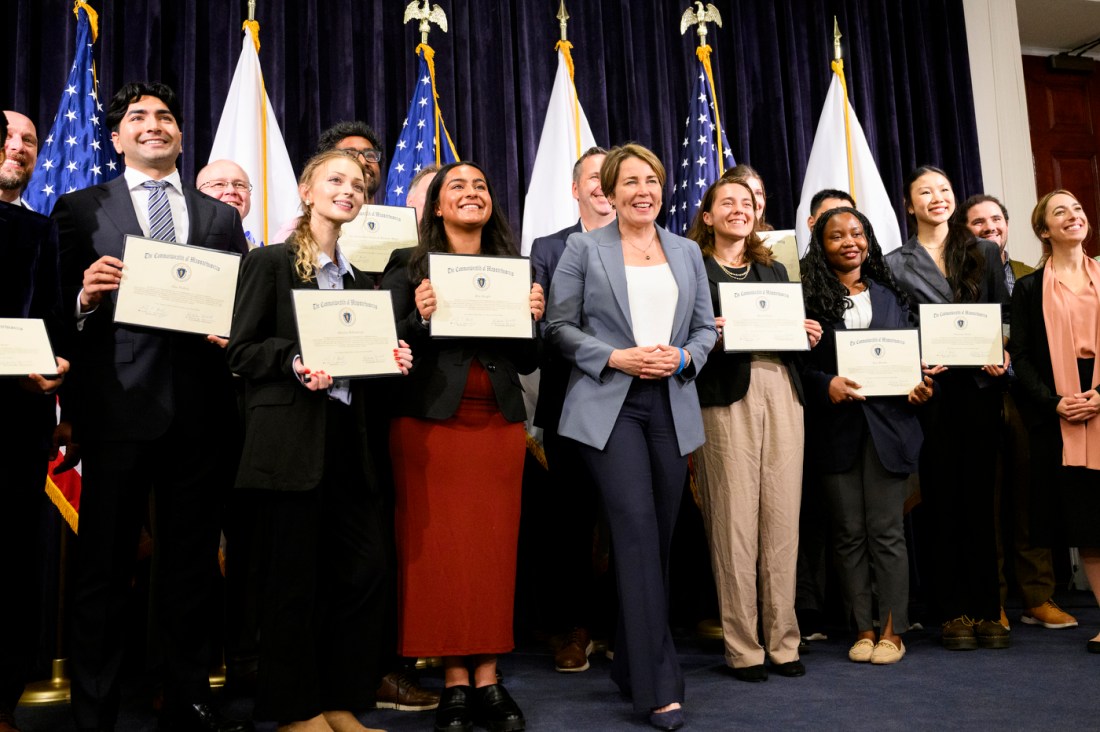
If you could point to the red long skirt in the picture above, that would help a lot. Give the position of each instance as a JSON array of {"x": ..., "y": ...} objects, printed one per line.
[{"x": 458, "y": 485}]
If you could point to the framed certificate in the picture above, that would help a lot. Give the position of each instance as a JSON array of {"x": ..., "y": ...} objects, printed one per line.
[
  {"x": 177, "y": 287},
  {"x": 369, "y": 239},
  {"x": 346, "y": 333},
  {"x": 784, "y": 249},
  {"x": 763, "y": 316},
  {"x": 961, "y": 335},
  {"x": 481, "y": 297},
  {"x": 25, "y": 348},
  {"x": 882, "y": 362}
]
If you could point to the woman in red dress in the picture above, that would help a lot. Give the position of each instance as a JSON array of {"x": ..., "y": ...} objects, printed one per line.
[{"x": 458, "y": 450}]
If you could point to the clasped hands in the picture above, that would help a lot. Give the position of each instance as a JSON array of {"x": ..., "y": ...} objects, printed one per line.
[
  {"x": 1079, "y": 407},
  {"x": 649, "y": 362}
]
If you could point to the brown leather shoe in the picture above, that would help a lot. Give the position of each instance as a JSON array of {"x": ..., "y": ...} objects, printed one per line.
[
  {"x": 1048, "y": 615},
  {"x": 958, "y": 634},
  {"x": 991, "y": 634},
  {"x": 400, "y": 691},
  {"x": 573, "y": 654}
]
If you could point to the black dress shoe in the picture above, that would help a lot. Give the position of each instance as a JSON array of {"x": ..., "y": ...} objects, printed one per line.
[
  {"x": 1093, "y": 646},
  {"x": 671, "y": 720},
  {"x": 453, "y": 712},
  {"x": 750, "y": 673},
  {"x": 496, "y": 710},
  {"x": 200, "y": 718},
  {"x": 790, "y": 669}
]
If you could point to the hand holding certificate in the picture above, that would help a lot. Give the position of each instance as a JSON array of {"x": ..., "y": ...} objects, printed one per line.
[
  {"x": 347, "y": 333},
  {"x": 763, "y": 316},
  {"x": 482, "y": 297},
  {"x": 369, "y": 239},
  {"x": 177, "y": 287},
  {"x": 882, "y": 362},
  {"x": 961, "y": 335},
  {"x": 25, "y": 348}
]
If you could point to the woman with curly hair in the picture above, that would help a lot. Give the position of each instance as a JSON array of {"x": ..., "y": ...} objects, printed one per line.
[
  {"x": 862, "y": 449},
  {"x": 942, "y": 263},
  {"x": 749, "y": 470},
  {"x": 315, "y": 456}
]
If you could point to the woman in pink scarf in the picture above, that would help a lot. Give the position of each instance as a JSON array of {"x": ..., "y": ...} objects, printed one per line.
[{"x": 1054, "y": 347}]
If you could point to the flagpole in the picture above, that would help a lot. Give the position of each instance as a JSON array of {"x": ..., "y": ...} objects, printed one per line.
[
  {"x": 838, "y": 69},
  {"x": 700, "y": 18},
  {"x": 428, "y": 15},
  {"x": 564, "y": 46}
]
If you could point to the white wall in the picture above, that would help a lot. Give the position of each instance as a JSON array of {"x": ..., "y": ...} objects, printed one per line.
[{"x": 1004, "y": 137}]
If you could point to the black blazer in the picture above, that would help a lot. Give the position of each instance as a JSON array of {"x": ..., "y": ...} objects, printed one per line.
[
  {"x": 440, "y": 365},
  {"x": 725, "y": 377},
  {"x": 125, "y": 379},
  {"x": 834, "y": 432},
  {"x": 284, "y": 440},
  {"x": 554, "y": 370},
  {"x": 28, "y": 242}
]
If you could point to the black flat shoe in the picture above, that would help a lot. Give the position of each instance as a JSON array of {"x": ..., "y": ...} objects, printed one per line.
[
  {"x": 495, "y": 709},
  {"x": 750, "y": 673},
  {"x": 1093, "y": 646},
  {"x": 453, "y": 712},
  {"x": 668, "y": 721},
  {"x": 790, "y": 669}
]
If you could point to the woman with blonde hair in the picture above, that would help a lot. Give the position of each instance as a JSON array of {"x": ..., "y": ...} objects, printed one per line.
[
  {"x": 1054, "y": 345},
  {"x": 315, "y": 457}
]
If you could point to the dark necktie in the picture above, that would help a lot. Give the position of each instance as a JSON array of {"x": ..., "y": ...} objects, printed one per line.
[{"x": 160, "y": 211}]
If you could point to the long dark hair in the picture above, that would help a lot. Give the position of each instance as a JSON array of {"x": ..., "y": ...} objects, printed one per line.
[
  {"x": 496, "y": 236},
  {"x": 963, "y": 262},
  {"x": 823, "y": 292},
  {"x": 703, "y": 234}
]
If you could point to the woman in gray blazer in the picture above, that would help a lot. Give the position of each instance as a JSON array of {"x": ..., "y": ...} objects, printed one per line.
[{"x": 630, "y": 308}]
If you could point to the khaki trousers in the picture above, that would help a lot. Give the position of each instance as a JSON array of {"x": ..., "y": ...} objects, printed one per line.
[{"x": 749, "y": 474}]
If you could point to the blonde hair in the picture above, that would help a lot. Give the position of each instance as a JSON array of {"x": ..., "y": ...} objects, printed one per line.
[{"x": 302, "y": 243}]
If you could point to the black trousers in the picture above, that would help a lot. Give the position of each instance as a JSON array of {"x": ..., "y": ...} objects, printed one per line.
[
  {"x": 640, "y": 474},
  {"x": 325, "y": 588},
  {"x": 22, "y": 503},
  {"x": 188, "y": 471},
  {"x": 958, "y": 465}
]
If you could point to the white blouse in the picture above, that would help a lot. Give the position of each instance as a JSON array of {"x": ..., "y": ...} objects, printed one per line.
[
  {"x": 652, "y": 293},
  {"x": 859, "y": 315}
]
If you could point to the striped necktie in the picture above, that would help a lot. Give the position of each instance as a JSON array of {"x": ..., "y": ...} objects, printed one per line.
[{"x": 160, "y": 212}]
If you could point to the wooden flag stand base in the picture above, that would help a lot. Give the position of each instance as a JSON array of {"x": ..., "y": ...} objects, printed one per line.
[{"x": 54, "y": 690}]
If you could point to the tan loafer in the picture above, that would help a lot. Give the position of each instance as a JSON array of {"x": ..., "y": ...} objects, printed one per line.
[
  {"x": 861, "y": 650},
  {"x": 886, "y": 652}
]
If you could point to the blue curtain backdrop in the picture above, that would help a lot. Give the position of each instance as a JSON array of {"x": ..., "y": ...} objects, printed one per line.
[{"x": 326, "y": 60}]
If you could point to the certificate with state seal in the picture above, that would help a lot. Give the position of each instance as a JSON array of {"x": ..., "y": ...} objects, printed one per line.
[
  {"x": 763, "y": 316},
  {"x": 882, "y": 362},
  {"x": 177, "y": 287},
  {"x": 961, "y": 335},
  {"x": 481, "y": 297},
  {"x": 347, "y": 333},
  {"x": 25, "y": 348},
  {"x": 369, "y": 239}
]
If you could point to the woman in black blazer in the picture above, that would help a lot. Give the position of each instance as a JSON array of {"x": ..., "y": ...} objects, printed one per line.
[
  {"x": 863, "y": 449},
  {"x": 315, "y": 455},
  {"x": 1054, "y": 345},
  {"x": 749, "y": 471},
  {"x": 942, "y": 262},
  {"x": 458, "y": 450}
]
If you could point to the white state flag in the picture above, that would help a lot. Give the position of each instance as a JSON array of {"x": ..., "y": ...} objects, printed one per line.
[
  {"x": 828, "y": 168},
  {"x": 549, "y": 205},
  {"x": 254, "y": 142}
]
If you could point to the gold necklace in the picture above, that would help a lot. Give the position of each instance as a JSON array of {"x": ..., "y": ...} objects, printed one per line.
[
  {"x": 729, "y": 270},
  {"x": 648, "y": 247}
]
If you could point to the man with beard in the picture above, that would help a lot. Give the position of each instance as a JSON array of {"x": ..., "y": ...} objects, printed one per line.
[{"x": 21, "y": 148}]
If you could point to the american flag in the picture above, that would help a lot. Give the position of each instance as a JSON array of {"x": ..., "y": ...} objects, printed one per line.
[
  {"x": 697, "y": 166},
  {"x": 416, "y": 147},
  {"x": 78, "y": 152}
]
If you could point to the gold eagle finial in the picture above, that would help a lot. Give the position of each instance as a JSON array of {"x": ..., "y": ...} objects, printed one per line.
[
  {"x": 699, "y": 17},
  {"x": 426, "y": 14}
]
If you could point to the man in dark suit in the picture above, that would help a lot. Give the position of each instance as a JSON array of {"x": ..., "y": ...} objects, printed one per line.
[
  {"x": 987, "y": 218},
  {"x": 152, "y": 411},
  {"x": 573, "y": 509},
  {"x": 28, "y": 242}
]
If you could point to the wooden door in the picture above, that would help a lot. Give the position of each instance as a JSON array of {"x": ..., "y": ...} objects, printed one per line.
[{"x": 1064, "y": 112}]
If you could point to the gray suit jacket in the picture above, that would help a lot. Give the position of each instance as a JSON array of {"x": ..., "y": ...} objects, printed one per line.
[{"x": 589, "y": 317}]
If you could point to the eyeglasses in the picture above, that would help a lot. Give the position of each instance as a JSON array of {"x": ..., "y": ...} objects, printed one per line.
[
  {"x": 368, "y": 153},
  {"x": 220, "y": 185}
]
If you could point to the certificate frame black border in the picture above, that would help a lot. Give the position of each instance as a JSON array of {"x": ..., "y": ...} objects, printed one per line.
[
  {"x": 1000, "y": 327},
  {"x": 530, "y": 280},
  {"x": 373, "y": 293},
  {"x": 53, "y": 352},
  {"x": 801, "y": 301},
  {"x": 836, "y": 355},
  {"x": 407, "y": 246},
  {"x": 126, "y": 239}
]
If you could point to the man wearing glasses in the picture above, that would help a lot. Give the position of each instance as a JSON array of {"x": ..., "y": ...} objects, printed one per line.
[{"x": 227, "y": 182}]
